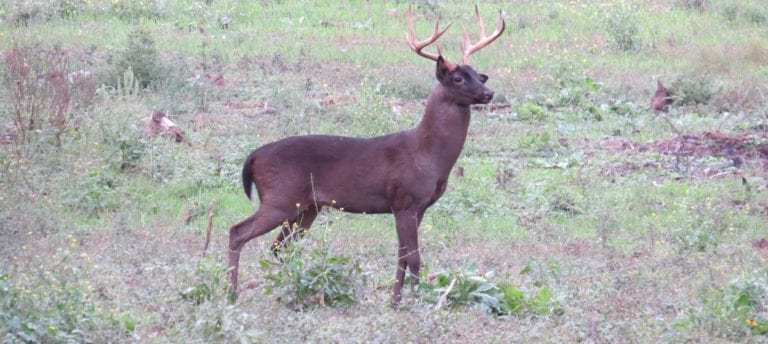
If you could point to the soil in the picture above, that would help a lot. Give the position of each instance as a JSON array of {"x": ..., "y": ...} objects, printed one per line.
[{"x": 747, "y": 145}]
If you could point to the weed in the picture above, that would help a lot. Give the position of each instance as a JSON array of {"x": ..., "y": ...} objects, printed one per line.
[
  {"x": 696, "y": 5},
  {"x": 94, "y": 194},
  {"x": 733, "y": 312},
  {"x": 211, "y": 314},
  {"x": 731, "y": 11},
  {"x": 141, "y": 58},
  {"x": 577, "y": 92},
  {"x": 133, "y": 10},
  {"x": 466, "y": 288},
  {"x": 212, "y": 282},
  {"x": 42, "y": 92},
  {"x": 561, "y": 160},
  {"x": 308, "y": 276},
  {"x": 53, "y": 301},
  {"x": 536, "y": 141},
  {"x": 531, "y": 111},
  {"x": 624, "y": 30},
  {"x": 25, "y": 13},
  {"x": 693, "y": 88},
  {"x": 370, "y": 115},
  {"x": 755, "y": 15},
  {"x": 131, "y": 151}
]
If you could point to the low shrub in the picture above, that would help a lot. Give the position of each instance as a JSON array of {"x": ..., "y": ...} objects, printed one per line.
[
  {"x": 52, "y": 301},
  {"x": 624, "y": 31},
  {"x": 692, "y": 89},
  {"x": 467, "y": 288},
  {"x": 311, "y": 276},
  {"x": 737, "y": 311}
]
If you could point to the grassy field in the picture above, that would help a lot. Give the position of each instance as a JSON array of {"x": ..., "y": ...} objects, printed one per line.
[{"x": 615, "y": 223}]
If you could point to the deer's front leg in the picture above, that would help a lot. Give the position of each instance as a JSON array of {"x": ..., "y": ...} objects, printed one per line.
[{"x": 407, "y": 222}]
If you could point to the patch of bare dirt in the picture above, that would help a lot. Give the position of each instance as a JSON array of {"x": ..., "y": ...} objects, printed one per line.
[{"x": 741, "y": 146}]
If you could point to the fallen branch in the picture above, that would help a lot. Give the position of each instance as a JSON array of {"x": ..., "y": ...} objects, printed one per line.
[
  {"x": 444, "y": 297},
  {"x": 491, "y": 107}
]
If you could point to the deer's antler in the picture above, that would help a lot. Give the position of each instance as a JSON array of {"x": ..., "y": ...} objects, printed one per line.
[
  {"x": 467, "y": 48},
  {"x": 417, "y": 46}
]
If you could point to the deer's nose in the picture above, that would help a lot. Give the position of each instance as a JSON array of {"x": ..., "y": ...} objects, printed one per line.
[{"x": 487, "y": 96}]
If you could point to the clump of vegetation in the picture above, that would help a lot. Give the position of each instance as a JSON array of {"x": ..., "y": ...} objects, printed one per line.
[
  {"x": 54, "y": 302},
  {"x": 141, "y": 58},
  {"x": 736, "y": 311},
  {"x": 42, "y": 92},
  {"x": 739, "y": 10},
  {"x": 467, "y": 288},
  {"x": 132, "y": 10},
  {"x": 702, "y": 227},
  {"x": 95, "y": 194},
  {"x": 577, "y": 91},
  {"x": 624, "y": 31},
  {"x": 370, "y": 115},
  {"x": 693, "y": 89},
  {"x": 697, "y": 5},
  {"x": 311, "y": 276},
  {"x": 531, "y": 111},
  {"x": 212, "y": 282},
  {"x": 29, "y": 12},
  {"x": 212, "y": 316}
]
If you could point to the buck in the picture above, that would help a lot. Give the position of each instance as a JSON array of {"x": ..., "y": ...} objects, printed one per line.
[{"x": 403, "y": 173}]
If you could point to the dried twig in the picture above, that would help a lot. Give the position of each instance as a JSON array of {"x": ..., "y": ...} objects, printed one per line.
[
  {"x": 210, "y": 227},
  {"x": 672, "y": 126},
  {"x": 444, "y": 297}
]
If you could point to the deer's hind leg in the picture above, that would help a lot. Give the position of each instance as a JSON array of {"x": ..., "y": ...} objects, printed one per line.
[
  {"x": 262, "y": 221},
  {"x": 295, "y": 228}
]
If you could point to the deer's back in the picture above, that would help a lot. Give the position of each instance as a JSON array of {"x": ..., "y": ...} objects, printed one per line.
[{"x": 358, "y": 174}]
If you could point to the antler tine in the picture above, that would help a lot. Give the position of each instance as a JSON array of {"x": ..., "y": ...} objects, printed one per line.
[
  {"x": 467, "y": 48},
  {"x": 417, "y": 46}
]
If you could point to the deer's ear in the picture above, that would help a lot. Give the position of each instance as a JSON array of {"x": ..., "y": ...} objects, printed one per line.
[
  {"x": 483, "y": 78},
  {"x": 442, "y": 68}
]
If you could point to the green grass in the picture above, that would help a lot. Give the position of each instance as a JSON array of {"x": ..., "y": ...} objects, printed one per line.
[{"x": 634, "y": 244}]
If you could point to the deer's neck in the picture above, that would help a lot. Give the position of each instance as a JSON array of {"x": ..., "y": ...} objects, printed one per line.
[{"x": 443, "y": 129}]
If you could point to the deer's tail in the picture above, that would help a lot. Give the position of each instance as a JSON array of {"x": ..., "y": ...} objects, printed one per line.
[{"x": 248, "y": 176}]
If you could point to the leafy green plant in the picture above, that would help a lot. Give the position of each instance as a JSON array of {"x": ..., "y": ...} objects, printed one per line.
[
  {"x": 308, "y": 276},
  {"x": 141, "y": 58},
  {"x": 624, "y": 31},
  {"x": 467, "y": 288},
  {"x": 212, "y": 282},
  {"x": 41, "y": 94},
  {"x": 370, "y": 115},
  {"x": 94, "y": 193},
  {"x": 577, "y": 92},
  {"x": 735, "y": 311},
  {"x": 132, "y": 10},
  {"x": 211, "y": 314},
  {"x": 54, "y": 302},
  {"x": 692, "y": 88},
  {"x": 699, "y": 232},
  {"x": 755, "y": 15},
  {"x": 697, "y": 5},
  {"x": 531, "y": 111}
]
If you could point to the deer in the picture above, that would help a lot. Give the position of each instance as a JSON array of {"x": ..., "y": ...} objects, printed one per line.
[
  {"x": 402, "y": 173},
  {"x": 662, "y": 99}
]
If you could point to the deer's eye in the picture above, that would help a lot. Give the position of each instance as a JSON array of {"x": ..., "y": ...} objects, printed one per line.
[{"x": 458, "y": 80}]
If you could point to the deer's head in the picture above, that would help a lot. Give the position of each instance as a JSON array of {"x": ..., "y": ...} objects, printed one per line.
[{"x": 464, "y": 84}]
